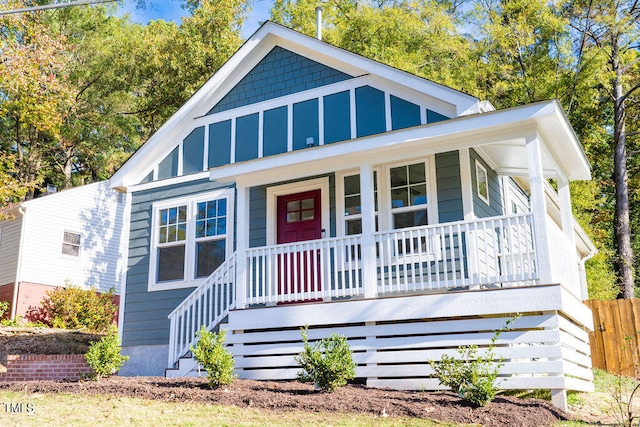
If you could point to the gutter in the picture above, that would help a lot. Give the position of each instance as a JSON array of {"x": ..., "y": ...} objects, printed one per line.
[{"x": 16, "y": 283}]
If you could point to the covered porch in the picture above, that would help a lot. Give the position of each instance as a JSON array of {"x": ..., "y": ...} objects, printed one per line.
[{"x": 539, "y": 246}]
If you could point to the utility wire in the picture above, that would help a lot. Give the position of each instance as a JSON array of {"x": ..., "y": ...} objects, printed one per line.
[{"x": 53, "y": 6}]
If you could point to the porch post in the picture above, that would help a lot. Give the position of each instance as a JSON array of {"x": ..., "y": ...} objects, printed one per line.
[
  {"x": 242, "y": 243},
  {"x": 565, "y": 208},
  {"x": 369, "y": 274},
  {"x": 539, "y": 208}
]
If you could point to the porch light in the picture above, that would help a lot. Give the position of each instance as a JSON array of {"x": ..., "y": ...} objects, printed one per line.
[{"x": 310, "y": 141}]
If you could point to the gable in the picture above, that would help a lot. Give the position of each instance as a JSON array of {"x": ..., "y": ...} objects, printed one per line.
[
  {"x": 282, "y": 92},
  {"x": 280, "y": 73}
]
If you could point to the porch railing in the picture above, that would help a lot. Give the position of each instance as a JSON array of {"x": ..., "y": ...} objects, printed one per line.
[
  {"x": 490, "y": 252},
  {"x": 311, "y": 270},
  {"x": 207, "y": 305},
  {"x": 496, "y": 251}
]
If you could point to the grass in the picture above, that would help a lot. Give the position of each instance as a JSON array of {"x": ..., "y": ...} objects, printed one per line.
[{"x": 105, "y": 410}]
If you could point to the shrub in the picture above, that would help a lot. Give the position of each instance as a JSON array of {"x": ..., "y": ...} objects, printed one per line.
[
  {"x": 214, "y": 357},
  {"x": 74, "y": 308},
  {"x": 4, "y": 307},
  {"x": 328, "y": 363},
  {"x": 104, "y": 356},
  {"x": 473, "y": 377}
]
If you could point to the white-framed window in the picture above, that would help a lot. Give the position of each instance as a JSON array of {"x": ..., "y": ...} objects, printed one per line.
[
  {"x": 190, "y": 238},
  {"x": 71, "y": 243},
  {"x": 350, "y": 202},
  {"x": 409, "y": 194},
  {"x": 482, "y": 182}
]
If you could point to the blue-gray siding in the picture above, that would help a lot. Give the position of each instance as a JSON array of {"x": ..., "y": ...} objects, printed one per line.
[
  {"x": 279, "y": 73},
  {"x": 370, "y": 115},
  {"x": 404, "y": 114},
  {"x": 258, "y": 211},
  {"x": 449, "y": 185},
  {"x": 480, "y": 207},
  {"x": 337, "y": 122},
  {"x": 145, "y": 313}
]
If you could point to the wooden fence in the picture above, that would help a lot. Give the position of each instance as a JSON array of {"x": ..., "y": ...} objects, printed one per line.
[{"x": 615, "y": 341}]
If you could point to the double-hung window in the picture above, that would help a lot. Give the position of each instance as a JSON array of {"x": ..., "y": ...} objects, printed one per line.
[
  {"x": 190, "y": 239},
  {"x": 408, "y": 185},
  {"x": 353, "y": 204},
  {"x": 71, "y": 243}
]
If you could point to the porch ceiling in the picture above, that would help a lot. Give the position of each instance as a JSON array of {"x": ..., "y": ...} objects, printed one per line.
[{"x": 500, "y": 135}]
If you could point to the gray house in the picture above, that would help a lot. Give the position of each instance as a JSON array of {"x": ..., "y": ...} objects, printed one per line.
[{"x": 306, "y": 185}]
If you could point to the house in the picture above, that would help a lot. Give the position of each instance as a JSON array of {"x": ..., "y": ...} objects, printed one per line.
[
  {"x": 72, "y": 236},
  {"x": 306, "y": 185}
]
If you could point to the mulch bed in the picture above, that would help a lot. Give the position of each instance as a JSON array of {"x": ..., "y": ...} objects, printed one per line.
[{"x": 293, "y": 396}]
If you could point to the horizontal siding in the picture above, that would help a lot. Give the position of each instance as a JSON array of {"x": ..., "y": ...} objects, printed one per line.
[
  {"x": 480, "y": 207},
  {"x": 449, "y": 185},
  {"x": 145, "y": 313},
  {"x": 9, "y": 249},
  {"x": 96, "y": 212}
]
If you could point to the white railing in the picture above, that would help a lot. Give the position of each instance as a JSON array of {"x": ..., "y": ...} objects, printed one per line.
[
  {"x": 207, "y": 305},
  {"x": 305, "y": 271},
  {"x": 497, "y": 251},
  {"x": 490, "y": 252}
]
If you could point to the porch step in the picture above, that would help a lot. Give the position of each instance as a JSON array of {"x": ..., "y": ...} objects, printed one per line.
[{"x": 186, "y": 367}]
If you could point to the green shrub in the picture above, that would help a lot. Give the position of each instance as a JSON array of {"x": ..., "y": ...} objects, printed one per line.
[
  {"x": 4, "y": 307},
  {"x": 328, "y": 363},
  {"x": 104, "y": 356},
  {"x": 472, "y": 376},
  {"x": 214, "y": 357},
  {"x": 74, "y": 308}
]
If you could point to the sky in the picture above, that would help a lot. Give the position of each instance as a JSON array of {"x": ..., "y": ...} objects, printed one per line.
[{"x": 170, "y": 10}]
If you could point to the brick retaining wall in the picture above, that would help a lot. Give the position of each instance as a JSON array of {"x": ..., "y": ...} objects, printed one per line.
[{"x": 35, "y": 367}]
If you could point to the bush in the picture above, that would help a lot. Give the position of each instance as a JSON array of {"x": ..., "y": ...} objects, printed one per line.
[
  {"x": 214, "y": 357},
  {"x": 328, "y": 364},
  {"x": 104, "y": 356},
  {"x": 473, "y": 377},
  {"x": 4, "y": 307},
  {"x": 74, "y": 308}
]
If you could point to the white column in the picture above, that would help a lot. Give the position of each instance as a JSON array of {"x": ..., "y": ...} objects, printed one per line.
[
  {"x": 466, "y": 184},
  {"x": 369, "y": 274},
  {"x": 242, "y": 243},
  {"x": 539, "y": 208},
  {"x": 565, "y": 208}
]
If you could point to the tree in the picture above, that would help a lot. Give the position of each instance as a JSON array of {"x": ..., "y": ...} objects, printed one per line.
[{"x": 612, "y": 28}]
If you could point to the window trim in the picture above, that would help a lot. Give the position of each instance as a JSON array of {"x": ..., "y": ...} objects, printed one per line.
[
  {"x": 79, "y": 245},
  {"x": 481, "y": 168},
  {"x": 341, "y": 218},
  {"x": 191, "y": 202},
  {"x": 432, "y": 191}
]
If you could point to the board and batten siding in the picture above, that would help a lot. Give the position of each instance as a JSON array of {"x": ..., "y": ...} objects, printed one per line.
[
  {"x": 449, "y": 185},
  {"x": 94, "y": 211},
  {"x": 480, "y": 207},
  {"x": 9, "y": 249},
  {"x": 145, "y": 313}
]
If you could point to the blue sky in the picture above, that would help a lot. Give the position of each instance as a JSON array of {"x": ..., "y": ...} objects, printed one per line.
[{"x": 170, "y": 10}]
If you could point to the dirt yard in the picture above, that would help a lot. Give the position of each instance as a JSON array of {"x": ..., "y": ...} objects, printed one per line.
[{"x": 274, "y": 396}]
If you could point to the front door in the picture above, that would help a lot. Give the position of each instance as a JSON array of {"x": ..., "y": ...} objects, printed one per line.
[{"x": 299, "y": 220}]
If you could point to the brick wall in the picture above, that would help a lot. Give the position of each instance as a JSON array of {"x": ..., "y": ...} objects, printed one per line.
[{"x": 34, "y": 367}]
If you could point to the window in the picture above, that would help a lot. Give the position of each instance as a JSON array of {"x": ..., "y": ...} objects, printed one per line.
[
  {"x": 189, "y": 240},
  {"x": 71, "y": 243},
  {"x": 408, "y": 195},
  {"x": 482, "y": 183},
  {"x": 353, "y": 204}
]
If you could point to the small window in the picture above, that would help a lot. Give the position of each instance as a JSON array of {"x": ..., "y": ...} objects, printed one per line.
[
  {"x": 482, "y": 183},
  {"x": 71, "y": 243}
]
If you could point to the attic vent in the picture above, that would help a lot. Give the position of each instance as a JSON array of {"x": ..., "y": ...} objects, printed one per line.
[{"x": 319, "y": 22}]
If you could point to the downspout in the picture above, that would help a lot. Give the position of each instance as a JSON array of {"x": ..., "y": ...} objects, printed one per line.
[{"x": 16, "y": 283}]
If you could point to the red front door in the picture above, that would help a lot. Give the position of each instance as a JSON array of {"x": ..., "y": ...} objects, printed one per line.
[{"x": 299, "y": 219}]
